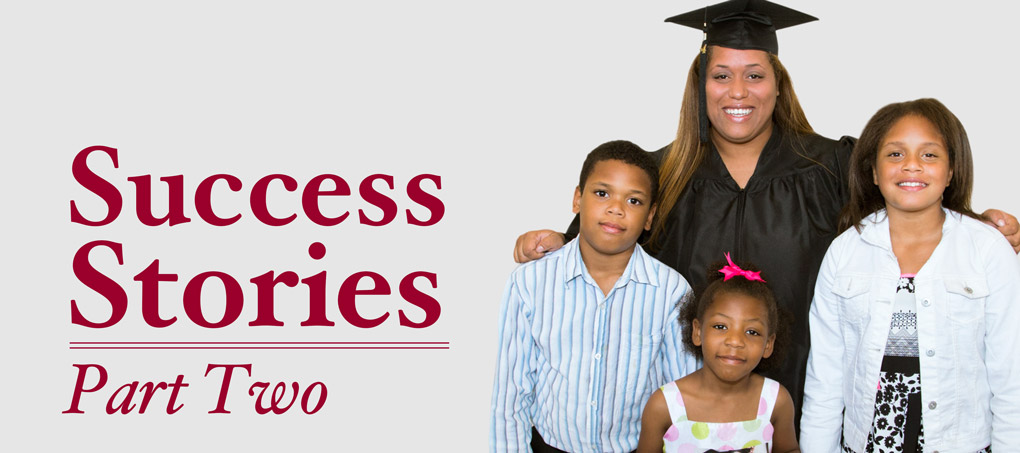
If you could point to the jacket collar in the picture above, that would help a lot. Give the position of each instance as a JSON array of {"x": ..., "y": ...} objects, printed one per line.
[{"x": 875, "y": 227}]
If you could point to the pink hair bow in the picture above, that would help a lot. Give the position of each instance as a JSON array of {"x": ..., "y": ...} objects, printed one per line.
[{"x": 733, "y": 270}]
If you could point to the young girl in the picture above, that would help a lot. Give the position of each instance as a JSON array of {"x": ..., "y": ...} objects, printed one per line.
[
  {"x": 725, "y": 406},
  {"x": 916, "y": 311}
]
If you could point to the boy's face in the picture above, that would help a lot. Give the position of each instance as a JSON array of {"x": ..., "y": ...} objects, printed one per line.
[{"x": 614, "y": 208}]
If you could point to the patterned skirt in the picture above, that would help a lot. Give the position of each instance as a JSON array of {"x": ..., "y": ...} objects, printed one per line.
[{"x": 897, "y": 426}]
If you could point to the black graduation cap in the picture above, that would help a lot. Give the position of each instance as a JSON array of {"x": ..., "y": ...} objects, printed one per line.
[
  {"x": 742, "y": 24},
  {"x": 738, "y": 24}
]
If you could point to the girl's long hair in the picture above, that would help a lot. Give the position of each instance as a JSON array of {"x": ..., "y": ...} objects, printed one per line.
[
  {"x": 687, "y": 152},
  {"x": 865, "y": 198}
]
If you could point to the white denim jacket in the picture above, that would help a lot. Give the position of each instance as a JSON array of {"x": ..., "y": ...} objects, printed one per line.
[{"x": 968, "y": 332}]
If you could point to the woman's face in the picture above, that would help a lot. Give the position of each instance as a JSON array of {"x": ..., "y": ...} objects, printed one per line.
[{"x": 741, "y": 94}]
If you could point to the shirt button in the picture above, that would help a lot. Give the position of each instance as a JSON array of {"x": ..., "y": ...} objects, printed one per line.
[
  {"x": 931, "y": 405},
  {"x": 930, "y": 352},
  {"x": 926, "y": 302},
  {"x": 968, "y": 290},
  {"x": 592, "y": 404},
  {"x": 598, "y": 356}
]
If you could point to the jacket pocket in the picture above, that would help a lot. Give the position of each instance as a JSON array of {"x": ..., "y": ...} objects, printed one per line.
[
  {"x": 965, "y": 312},
  {"x": 965, "y": 299},
  {"x": 853, "y": 298}
]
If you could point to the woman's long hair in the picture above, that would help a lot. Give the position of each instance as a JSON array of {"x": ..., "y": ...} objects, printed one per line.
[{"x": 687, "y": 152}]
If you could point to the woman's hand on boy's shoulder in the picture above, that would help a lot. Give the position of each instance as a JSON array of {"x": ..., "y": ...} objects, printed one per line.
[
  {"x": 1007, "y": 224},
  {"x": 535, "y": 244}
]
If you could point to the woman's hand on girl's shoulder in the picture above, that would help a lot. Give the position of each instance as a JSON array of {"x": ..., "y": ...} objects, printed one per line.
[
  {"x": 784, "y": 438},
  {"x": 654, "y": 423},
  {"x": 1007, "y": 224}
]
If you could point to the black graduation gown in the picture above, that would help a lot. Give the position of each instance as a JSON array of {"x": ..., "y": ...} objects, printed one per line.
[{"x": 782, "y": 221}]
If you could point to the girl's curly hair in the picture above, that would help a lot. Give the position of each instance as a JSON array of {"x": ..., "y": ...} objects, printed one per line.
[{"x": 695, "y": 304}]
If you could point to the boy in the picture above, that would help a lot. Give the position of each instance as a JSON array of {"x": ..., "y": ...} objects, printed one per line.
[{"x": 590, "y": 331}]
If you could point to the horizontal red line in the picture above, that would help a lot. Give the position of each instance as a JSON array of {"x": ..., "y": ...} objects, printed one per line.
[
  {"x": 259, "y": 347},
  {"x": 261, "y": 342}
]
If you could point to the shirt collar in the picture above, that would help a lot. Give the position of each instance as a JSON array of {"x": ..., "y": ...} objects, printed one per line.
[{"x": 640, "y": 268}]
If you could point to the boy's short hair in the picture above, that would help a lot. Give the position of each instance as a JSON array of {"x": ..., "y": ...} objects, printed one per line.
[{"x": 625, "y": 152}]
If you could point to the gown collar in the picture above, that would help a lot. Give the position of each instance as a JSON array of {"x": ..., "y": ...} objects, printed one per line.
[{"x": 716, "y": 169}]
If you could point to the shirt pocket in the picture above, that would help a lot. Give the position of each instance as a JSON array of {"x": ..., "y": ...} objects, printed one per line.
[
  {"x": 636, "y": 367},
  {"x": 853, "y": 297}
]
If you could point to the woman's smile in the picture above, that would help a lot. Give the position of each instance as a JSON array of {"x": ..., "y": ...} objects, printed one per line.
[{"x": 740, "y": 94}]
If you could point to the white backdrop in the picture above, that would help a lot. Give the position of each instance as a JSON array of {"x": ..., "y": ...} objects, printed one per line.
[{"x": 502, "y": 100}]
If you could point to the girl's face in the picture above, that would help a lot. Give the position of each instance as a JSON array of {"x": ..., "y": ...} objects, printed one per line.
[
  {"x": 733, "y": 335},
  {"x": 740, "y": 94},
  {"x": 912, "y": 167}
]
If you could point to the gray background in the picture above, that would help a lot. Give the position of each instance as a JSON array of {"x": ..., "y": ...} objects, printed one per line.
[{"x": 502, "y": 100}]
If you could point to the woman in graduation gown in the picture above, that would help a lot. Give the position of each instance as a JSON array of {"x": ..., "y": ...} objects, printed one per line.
[{"x": 746, "y": 173}]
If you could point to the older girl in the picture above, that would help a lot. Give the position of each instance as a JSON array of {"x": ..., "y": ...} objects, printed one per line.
[{"x": 915, "y": 311}]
